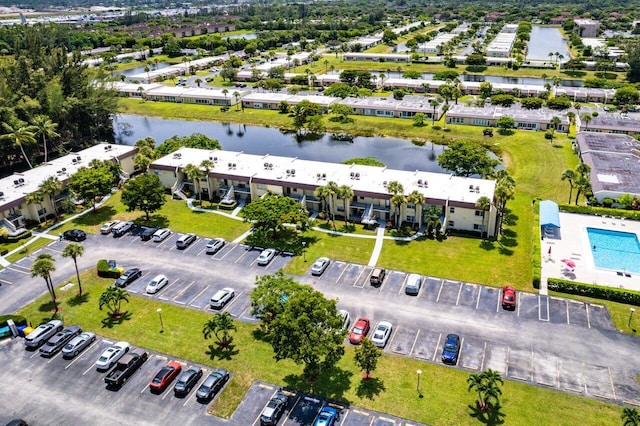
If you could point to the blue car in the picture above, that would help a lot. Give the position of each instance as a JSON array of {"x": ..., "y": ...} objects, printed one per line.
[
  {"x": 451, "y": 349},
  {"x": 328, "y": 417}
]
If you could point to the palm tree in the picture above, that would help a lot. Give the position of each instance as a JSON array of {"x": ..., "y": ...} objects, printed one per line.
[
  {"x": 147, "y": 69},
  {"x": 42, "y": 267},
  {"x": 236, "y": 96},
  {"x": 583, "y": 186},
  {"x": 586, "y": 118},
  {"x": 434, "y": 102},
  {"x": 553, "y": 125},
  {"x": 345, "y": 192},
  {"x": 505, "y": 191},
  {"x": 198, "y": 81},
  {"x": 20, "y": 134},
  {"x": 36, "y": 197},
  {"x": 207, "y": 165},
  {"x": 221, "y": 326},
  {"x": 74, "y": 250},
  {"x": 326, "y": 64},
  {"x": 484, "y": 203},
  {"x": 194, "y": 174},
  {"x": 398, "y": 199},
  {"x": 630, "y": 417},
  {"x": 224, "y": 92},
  {"x": 50, "y": 187},
  {"x": 333, "y": 191},
  {"x": 322, "y": 193},
  {"x": 487, "y": 385},
  {"x": 569, "y": 175},
  {"x": 112, "y": 298},
  {"x": 417, "y": 199},
  {"x": 46, "y": 128},
  {"x": 382, "y": 77}
]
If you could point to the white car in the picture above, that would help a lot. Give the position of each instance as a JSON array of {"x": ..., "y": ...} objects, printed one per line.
[
  {"x": 107, "y": 227},
  {"x": 320, "y": 265},
  {"x": 156, "y": 284},
  {"x": 221, "y": 298},
  {"x": 381, "y": 334},
  {"x": 346, "y": 320},
  {"x": 266, "y": 256},
  {"x": 112, "y": 355},
  {"x": 161, "y": 234},
  {"x": 214, "y": 245}
]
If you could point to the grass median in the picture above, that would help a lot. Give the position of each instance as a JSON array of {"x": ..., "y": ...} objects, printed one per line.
[{"x": 445, "y": 400}]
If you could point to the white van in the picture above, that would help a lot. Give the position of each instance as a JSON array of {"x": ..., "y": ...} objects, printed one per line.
[{"x": 414, "y": 282}]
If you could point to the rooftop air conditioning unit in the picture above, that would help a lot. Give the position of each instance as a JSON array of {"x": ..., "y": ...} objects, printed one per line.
[
  {"x": 266, "y": 165},
  {"x": 419, "y": 182},
  {"x": 318, "y": 175},
  {"x": 59, "y": 172},
  {"x": 64, "y": 169},
  {"x": 270, "y": 166},
  {"x": 229, "y": 165},
  {"x": 471, "y": 188},
  {"x": 352, "y": 175},
  {"x": 74, "y": 161},
  {"x": 16, "y": 183},
  {"x": 293, "y": 172},
  {"x": 215, "y": 158},
  {"x": 477, "y": 189},
  {"x": 21, "y": 180},
  {"x": 235, "y": 165},
  {"x": 1, "y": 194},
  {"x": 357, "y": 176},
  {"x": 78, "y": 158},
  {"x": 324, "y": 176},
  {"x": 288, "y": 171},
  {"x": 384, "y": 183}
]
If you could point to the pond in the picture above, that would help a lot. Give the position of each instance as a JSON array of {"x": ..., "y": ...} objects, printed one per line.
[
  {"x": 394, "y": 153},
  {"x": 140, "y": 70},
  {"x": 544, "y": 40},
  {"x": 248, "y": 36}
]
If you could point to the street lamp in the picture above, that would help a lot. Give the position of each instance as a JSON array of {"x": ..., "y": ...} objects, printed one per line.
[
  {"x": 630, "y": 316},
  {"x": 304, "y": 251},
  {"x": 159, "y": 311},
  {"x": 419, "y": 374}
]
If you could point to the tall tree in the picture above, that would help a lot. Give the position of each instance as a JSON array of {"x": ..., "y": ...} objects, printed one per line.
[
  {"x": 586, "y": 119},
  {"x": 194, "y": 174},
  {"x": 36, "y": 197},
  {"x": 569, "y": 175},
  {"x": 46, "y": 128},
  {"x": 112, "y": 298},
  {"x": 630, "y": 417},
  {"x": 484, "y": 203},
  {"x": 467, "y": 159},
  {"x": 345, "y": 192},
  {"x": 397, "y": 199},
  {"x": 43, "y": 267},
  {"x": 145, "y": 193},
  {"x": 417, "y": 199},
  {"x": 323, "y": 193},
  {"x": 271, "y": 212},
  {"x": 20, "y": 134},
  {"x": 91, "y": 183},
  {"x": 505, "y": 191},
  {"x": 207, "y": 165},
  {"x": 221, "y": 326},
  {"x": 366, "y": 357},
  {"x": 487, "y": 385},
  {"x": 74, "y": 250},
  {"x": 49, "y": 187}
]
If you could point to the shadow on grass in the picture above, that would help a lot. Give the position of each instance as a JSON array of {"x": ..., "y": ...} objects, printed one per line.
[
  {"x": 260, "y": 334},
  {"x": 340, "y": 227},
  {"x": 110, "y": 322},
  {"x": 487, "y": 245},
  {"x": 332, "y": 384},
  {"x": 96, "y": 217},
  {"x": 509, "y": 238},
  {"x": 370, "y": 388},
  {"x": 158, "y": 220},
  {"x": 47, "y": 307},
  {"x": 489, "y": 418},
  {"x": 78, "y": 299},
  {"x": 287, "y": 240},
  {"x": 222, "y": 353}
]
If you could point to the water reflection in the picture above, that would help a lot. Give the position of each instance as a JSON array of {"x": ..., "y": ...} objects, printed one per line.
[{"x": 544, "y": 40}]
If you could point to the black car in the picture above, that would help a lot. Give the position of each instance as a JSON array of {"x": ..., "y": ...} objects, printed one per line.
[
  {"x": 75, "y": 235},
  {"x": 274, "y": 409},
  {"x": 187, "y": 381},
  {"x": 129, "y": 276},
  {"x": 147, "y": 233},
  {"x": 212, "y": 384}
]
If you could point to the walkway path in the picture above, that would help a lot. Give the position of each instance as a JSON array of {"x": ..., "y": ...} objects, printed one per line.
[{"x": 375, "y": 254}]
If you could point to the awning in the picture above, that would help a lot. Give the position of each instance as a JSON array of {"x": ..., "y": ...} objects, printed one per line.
[{"x": 549, "y": 214}]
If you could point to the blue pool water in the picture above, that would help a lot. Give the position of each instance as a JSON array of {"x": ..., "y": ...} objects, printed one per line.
[{"x": 619, "y": 251}]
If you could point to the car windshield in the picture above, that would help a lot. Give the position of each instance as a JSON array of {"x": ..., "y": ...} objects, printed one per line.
[
  {"x": 103, "y": 358},
  {"x": 450, "y": 346},
  {"x": 357, "y": 330},
  {"x": 508, "y": 297},
  {"x": 161, "y": 374}
]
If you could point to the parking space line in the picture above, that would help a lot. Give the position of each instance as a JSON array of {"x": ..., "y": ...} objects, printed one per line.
[
  {"x": 54, "y": 357},
  {"x": 567, "y": 305},
  {"x": 17, "y": 270},
  {"x": 459, "y": 292},
  {"x": 292, "y": 409},
  {"x": 460, "y": 352},
  {"x": 146, "y": 385},
  {"x": 165, "y": 240},
  {"x": 265, "y": 404},
  {"x": 440, "y": 291},
  {"x": 35, "y": 353},
  {"x": 5, "y": 282},
  {"x": 484, "y": 352},
  {"x": 181, "y": 293},
  {"x": 195, "y": 387},
  {"x": 95, "y": 342},
  {"x": 228, "y": 250},
  {"x": 341, "y": 274},
  {"x": 498, "y": 301},
  {"x": 368, "y": 279},
  {"x": 506, "y": 361},
  {"x": 191, "y": 245},
  {"x": 199, "y": 294},
  {"x": 613, "y": 388},
  {"x": 235, "y": 298},
  {"x": 386, "y": 419},
  {"x": 201, "y": 251},
  {"x": 435, "y": 351},
  {"x": 344, "y": 419},
  {"x": 414, "y": 342},
  {"x": 519, "y": 296},
  {"x": 91, "y": 367},
  {"x": 478, "y": 301},
  {"x": 243, "y": 255},
  {"x": 404, "y": 281},
  {"x": 588, "y": 317},
  {"x": 166, "y": 392}
]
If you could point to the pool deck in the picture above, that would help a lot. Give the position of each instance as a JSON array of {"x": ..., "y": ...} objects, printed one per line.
[{"x": 574, "y": 245}]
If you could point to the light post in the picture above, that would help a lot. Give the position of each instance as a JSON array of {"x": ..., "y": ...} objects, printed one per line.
[
  {"x": 304, "y": 251},
  {"x": 630, "y": 316},
  {"x": 159, "y": 311},
  {"x": 419, "y": 374}
]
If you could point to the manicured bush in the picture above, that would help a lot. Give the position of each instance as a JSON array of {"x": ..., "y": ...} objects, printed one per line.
[
  {"x": 602, "y": 211},
  {"x": 105, "y": 271},
  {"x": 18, "y": 319},
  {"x": 598, "y": 292}
]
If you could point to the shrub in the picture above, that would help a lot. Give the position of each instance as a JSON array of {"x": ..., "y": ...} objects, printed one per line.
[
  {"x": 628, "y": 214},
  {"x": 436, "y": 127},
  {"x": 18, "y": 319},
  {"x": 598, "y": 292},
  {"x": 105, "y": 271}
]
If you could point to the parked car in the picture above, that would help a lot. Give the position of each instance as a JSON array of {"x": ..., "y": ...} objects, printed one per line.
[
  {"x": 414, "y": 282},
  {"x": 110, "y": 356},
  {"x": 122, "y": 228},
  {"x": 160, "y": 235},
  {"x": 165, "y": 376},
  {"x": 42, "y": 333},
  {"x": 126, "y": 366},
  {"x": 345, "y": 318},
  {"x": 57, "y": 342},
  {"x": 78, "y": 344},
  {"x": 148, "y": 232},
  {"x": 274, "y": 409},
  {"x": 221, "y": 298},
  {"x": 187, "y": 380},
  {"x": 212, "y": 384},
  {"x": 266, "y": 256},
  {"x": 320, "y": 265},
  {"x": 185, "y": 241},
  {"x": 359, "y": 330},
  {"x": 214, "y": 245},
  {"x": 129, "y": 276},
  {"x": 508, "y": 297},
  {"x": 156, "y": 284},
  {"x": 107, "y": 227},
  {"x": 377, "y": 276},
  {"x": 74, "y": 235},
  {"x": 328, "y": 416},
  {"x": 451, "y": 349},
  {"x": 381, "y": 334}
]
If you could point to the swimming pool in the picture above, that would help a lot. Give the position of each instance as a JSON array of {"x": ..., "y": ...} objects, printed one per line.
[{"x": 619, "y": 251}]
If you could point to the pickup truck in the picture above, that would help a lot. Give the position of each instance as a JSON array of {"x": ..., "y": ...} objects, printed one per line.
[{"x": 125, "y": 367}]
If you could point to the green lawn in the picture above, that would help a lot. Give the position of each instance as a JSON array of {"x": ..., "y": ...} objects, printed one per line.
[
  {"x": 25, "y": 251},
  {"x": 446, "y": 400}
]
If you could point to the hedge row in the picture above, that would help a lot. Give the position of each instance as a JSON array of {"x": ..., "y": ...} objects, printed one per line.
[
  {"x": 605, "y": 293},
  {"x": 105, "y": 271},
  {"x": 18, "y": 319},
  {"x": 15, "y": 238},
  {"x": 602, "y": 211}
]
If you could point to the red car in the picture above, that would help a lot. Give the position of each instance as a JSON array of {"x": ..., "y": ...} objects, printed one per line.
[
  {"x": 165, "y": 376},
  {"x": 359, "y": 330},
  {"x": 508, "y": 297}
]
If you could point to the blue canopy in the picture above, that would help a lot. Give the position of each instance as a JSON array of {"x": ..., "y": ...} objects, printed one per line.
[{"x": 549, "y": 214}]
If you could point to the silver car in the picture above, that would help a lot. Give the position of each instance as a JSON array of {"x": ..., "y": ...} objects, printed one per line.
[
  {"x": 320, "y": 265},
  {"x": 42, "y": 333},
  {"x": 221, "y": 298},
  {"x": 107, "y": 227},
  {"x": 214, "y": 245},
  {"x": 58, "y": 340},
  {"x": 160, "y": 235},
  {"x": 78, "y": 344},
  {"x": 266, "y": 256}
]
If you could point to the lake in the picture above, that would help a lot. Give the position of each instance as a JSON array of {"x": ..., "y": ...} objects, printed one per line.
[
  {"x": 394, "y": 153},
  {"x": 544, "y": 40},
  {"x": 140, "y": 70}
]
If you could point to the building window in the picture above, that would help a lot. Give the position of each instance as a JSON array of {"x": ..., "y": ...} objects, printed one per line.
[
  {"x": 456, "y": 120},
  {"x": 480, "y": 213},
  {"x": 451, "y": 224},
  {"x": 411, "y": 206},
  {"x": 262, "y": 186},
  {"x": 452, "y": 209},
  {"x": 477, "y": 227},
  {"x": 480, "y": 122},
  {"x": 411, "y": 218}
]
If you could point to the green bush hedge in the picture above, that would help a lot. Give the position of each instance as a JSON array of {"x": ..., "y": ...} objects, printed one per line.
[
  {"x": 18, "y": 319},
  {"x": 602, "y": 211},
  {"x": 15, "y": 238},
  {"x": 105, "y": 272},
  {"x": 605, "y": 293}
]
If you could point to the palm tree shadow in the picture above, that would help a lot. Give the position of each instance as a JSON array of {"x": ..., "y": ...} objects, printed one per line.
[
  {"x": 370, "y": 388},
  {"x": 46, "y": 307},
  {"x": 490, "y": 418},
  {"x": 110, "y": 322},
  {"x": 79, "y": 299},
  {"x": 222, "y": 353}
]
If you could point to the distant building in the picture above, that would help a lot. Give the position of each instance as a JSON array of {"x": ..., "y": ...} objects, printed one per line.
[
  {"x": 587, "y": 27},
  {"x": 525, "y": 119}
]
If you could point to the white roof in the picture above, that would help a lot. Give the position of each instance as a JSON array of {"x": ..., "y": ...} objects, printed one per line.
[{"x": 371, "y": 180}]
